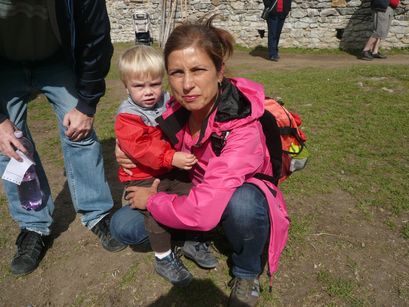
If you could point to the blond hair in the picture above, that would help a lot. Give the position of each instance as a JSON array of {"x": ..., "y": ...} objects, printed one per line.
[{"x": 141, "y": 61}]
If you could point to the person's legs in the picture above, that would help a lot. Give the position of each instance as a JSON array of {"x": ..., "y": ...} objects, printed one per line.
[
  {"x": 375, "y": 47},
  {"x": 272, "y": 26},
  {"x": 246, "y": 225},
  {"x": 275, "y": 25},
  {"x": 195, "y": 246},
  {"x": 370, "y": 44},
  {"x": 83, "y": 161},
  {"x": 127, "y": 226},
  {"x": 16, "y": 90},
  {"x": 382, "y": 25},
  {"x": 280, "y": 25}
]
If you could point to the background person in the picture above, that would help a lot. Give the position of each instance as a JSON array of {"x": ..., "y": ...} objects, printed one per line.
[
  {"x": 382, "y": 11},
  {"x": 63, "y": 50},
  {"x": 275, "y": 23},
  {"x": 225, "y": 190}
]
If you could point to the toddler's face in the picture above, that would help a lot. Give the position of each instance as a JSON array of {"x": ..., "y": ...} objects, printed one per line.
[{"x": 144, "y": 92}]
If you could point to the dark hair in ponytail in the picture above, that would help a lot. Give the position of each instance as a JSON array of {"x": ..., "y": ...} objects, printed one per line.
[{"x": 217, "y": 43}]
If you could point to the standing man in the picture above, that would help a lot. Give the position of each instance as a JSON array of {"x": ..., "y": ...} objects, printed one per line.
[
  {"x": 275, "y": 22},
  {"x": 382, "y": 11},
  {"x": 63, "y": 50}
]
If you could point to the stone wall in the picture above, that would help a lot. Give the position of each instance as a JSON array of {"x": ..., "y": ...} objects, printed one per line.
[{"x": 342, "y": 24}]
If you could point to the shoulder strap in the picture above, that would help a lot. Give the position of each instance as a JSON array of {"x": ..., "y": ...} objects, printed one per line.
[
  {"x": 273, "y": 142},
  {"x": 218, "y": 141}
]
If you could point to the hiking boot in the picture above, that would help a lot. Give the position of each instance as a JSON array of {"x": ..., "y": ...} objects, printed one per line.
[
  {"x": 275, "y": 58},
  {"x": 200, "y": 253},
  {"x": 30, "y": 250},
  {"x": 104, "y": 234},
  {"x": 366, "y": 55},
  {"x": 244, "y": 292},
  {"x": 379, "y": 56},
  {"x": 172, "y": 269}
]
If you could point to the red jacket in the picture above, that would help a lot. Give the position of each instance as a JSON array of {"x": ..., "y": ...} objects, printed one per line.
[
  {"x": 394, "y": 3},
  {"x": 144, "y": 145}
]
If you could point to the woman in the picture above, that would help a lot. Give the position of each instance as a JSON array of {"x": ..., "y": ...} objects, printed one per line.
[{"x": 206, "y": 105}]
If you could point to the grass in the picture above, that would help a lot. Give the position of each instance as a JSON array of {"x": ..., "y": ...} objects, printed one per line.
[
  {"x": 356, "y": 122},
  {"x": 339, "y": 289}
]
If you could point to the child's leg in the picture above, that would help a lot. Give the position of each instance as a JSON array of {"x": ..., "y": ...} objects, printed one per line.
[
  {"x": 195, "y": 246},
  {"x": 159, "y": 237}
]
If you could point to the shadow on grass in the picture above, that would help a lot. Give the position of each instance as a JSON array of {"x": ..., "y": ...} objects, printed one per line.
[
  {"x": 198, "y": 293},
  {"x": 259, "y": 51}
]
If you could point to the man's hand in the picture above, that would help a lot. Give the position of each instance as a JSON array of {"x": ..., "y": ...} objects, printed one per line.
[
  {"x": 123, "y": 160},
  {"x": 8, "y": 142},
  {"x": 78, "y": 125},
  {"x": 138, "y": 196}
]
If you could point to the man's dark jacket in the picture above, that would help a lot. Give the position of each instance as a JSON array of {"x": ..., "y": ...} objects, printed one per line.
[
  {"x": 84, "y": 29},
  {"x": 86, "y": 43}
]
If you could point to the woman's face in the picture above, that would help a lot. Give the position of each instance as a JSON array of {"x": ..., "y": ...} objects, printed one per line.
[{"x": 193, "y": 79}]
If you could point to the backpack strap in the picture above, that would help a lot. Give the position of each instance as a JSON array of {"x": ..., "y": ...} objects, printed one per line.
[
  {"x": 274, "y": 145},
  {"x": 218, "y": 141}
]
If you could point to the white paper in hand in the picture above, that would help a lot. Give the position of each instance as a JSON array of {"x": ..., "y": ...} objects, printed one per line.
[{"x": 15, "y": 170}]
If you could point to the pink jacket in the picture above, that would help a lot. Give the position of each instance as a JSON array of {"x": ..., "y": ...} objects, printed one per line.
[{"x": 215, "y": 178}]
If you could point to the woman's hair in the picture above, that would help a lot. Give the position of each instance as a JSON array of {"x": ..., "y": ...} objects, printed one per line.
[
  {"x": 141, "y": 61},
  {"x": 216, "y": 43}
]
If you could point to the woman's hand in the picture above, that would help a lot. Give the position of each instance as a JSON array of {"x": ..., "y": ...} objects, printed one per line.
[
  {"x": 138, "y": 196},
  {"x": 123, "y": 160}
]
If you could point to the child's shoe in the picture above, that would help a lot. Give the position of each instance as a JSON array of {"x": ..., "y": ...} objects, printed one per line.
[
  {"x": 172, "y": 269},
  {"x": 200, "y": 253}
]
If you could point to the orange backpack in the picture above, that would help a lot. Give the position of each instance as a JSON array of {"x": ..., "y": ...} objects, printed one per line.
[{"x": 284, "y": 139}]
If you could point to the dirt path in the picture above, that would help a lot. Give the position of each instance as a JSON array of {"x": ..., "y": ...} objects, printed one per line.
[
  {"x": 258, "y": 61},
  {"x": 76, "y": 271}
]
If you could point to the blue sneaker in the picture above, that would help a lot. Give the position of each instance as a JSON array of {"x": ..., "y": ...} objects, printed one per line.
[
  {"x": 200, "y": 253},
  {"x": 172, "y": 269}
]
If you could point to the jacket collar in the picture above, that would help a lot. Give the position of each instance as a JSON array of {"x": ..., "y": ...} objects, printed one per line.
[{"x": 230, "y": 104}]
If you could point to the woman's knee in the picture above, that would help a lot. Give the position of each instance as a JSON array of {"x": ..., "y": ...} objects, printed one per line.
[{"x": 248, "y": 205}]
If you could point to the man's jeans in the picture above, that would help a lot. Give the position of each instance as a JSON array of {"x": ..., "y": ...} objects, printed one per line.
[
  {"x": 84, "y": 167},
  {"x": 275, "y": 25},
  {"x": 245, "y": 222}
]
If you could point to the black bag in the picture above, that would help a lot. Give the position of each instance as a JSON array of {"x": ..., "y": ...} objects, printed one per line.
[{"x": 268, "y": 9}]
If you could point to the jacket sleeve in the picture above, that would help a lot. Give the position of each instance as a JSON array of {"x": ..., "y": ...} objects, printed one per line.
[
  {"x": 93, "y": 52},
  {"x": 143, "y": 144},
  {"x": 242, "y": 157}
]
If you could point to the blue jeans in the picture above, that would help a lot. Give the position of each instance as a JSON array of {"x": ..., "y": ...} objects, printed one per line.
[
  {"x": 245, "y": 223},
  {"x": 275, "y": 25},
  {"x": 84, "y": 167}
]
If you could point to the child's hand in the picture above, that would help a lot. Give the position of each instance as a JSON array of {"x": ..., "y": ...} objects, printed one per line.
[{"x": 183, "y": 160}]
